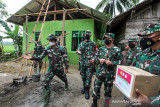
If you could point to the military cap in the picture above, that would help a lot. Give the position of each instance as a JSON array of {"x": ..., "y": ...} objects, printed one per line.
[
  {"x": 132, "y": 40},
  {"x": 87, "y": 32},
  {"x": 51, "y": 37},
  {"x": 109, "y": 35},
  {"x": 150, "y": 29}
]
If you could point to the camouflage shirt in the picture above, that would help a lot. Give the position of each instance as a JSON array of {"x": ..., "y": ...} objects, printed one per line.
[
  {"x": 38, "y": 50},
  {"x": 88, "y": 51},
  {"x": 148, "y": 60},
  {"x": 56, "y": 56},
  {"x": 130, "y": 55},
  {"x": 112, "y": 54}
]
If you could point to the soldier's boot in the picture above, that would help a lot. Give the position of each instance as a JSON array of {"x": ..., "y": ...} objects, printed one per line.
[
  {"x": 66, "y": 86},
  {"x": 46, "y": 97},
  {"x": 83, "y": 90},
  {"x": 40, "y": 66},
  {"x": 94, "y": 104},
  {"x": 107, "y": 101},
  {"x": 35, "y": 70},
  {"x": 87, "y": 96}
]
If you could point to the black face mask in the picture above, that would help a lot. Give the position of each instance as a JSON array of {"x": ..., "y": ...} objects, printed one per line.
[
  {"x": 132, "y": 45},
  {"x": 107, "y": 42},
  {"x": 87, "y": 37},
  {"x": 146, "y": 43}
]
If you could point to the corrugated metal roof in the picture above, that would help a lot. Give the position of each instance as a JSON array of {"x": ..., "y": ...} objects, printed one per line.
[{"x": 34, "y": 6}]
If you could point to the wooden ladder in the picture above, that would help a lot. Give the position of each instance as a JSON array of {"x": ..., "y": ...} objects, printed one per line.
[{"x": 41, "y": 13}]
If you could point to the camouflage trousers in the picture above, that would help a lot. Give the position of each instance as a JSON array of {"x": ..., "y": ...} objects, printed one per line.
[
  {"x": 108, "y": 84},
  {"x": 35, "y": 63},
  {"x": 86, "y": 73},
  {"x": 50, "y": 74}
]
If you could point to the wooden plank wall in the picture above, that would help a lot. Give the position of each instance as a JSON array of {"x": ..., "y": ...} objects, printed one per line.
[{"x": 149, "y": 14}]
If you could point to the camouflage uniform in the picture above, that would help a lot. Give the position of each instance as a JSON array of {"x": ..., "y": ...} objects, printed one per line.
[
  {"x": 37, "y": 52},
  {"x": 87, "y": 49},
  {"x": 105, "y": 73},
  {"x": 56, "y": 56},
  {"x": 149, "y": 59},
  {"x": 132, "y": 52}
]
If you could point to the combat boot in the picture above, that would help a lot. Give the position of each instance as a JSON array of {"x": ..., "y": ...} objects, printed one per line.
[
  {"x": 66, "y": 86},
  {"x": 107, "y": 101},
  {"x": 46, "y": 97},
  {"x": 83, "y": 90},
  {"x": 94, "y": 104},
  {"x": 87, "y": 93}
]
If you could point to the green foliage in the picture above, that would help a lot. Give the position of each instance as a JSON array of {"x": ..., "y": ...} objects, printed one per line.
[
  {"x": 3, "y": 12},
  {"x": 8, "y": 48},
  {"x": 110, "y": 6},
  {"x": 13, "y": 34}
]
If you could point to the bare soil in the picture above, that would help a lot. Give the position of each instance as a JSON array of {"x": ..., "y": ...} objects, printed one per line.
[{"x": 30, "y": 95}]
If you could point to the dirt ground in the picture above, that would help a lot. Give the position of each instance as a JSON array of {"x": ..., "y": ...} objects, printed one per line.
[{"x": 30, "y": 95}]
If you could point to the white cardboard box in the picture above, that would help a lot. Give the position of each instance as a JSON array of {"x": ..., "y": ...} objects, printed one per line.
[{"x": 129, "y": 78}]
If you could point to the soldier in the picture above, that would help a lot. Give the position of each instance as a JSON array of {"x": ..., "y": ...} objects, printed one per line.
[
  {"x": 149, "y": 59},
  {"x": 134, "y": 49},
  {"x": 56, "y": 55},
  {"x": 37, "y": 52},
  {"x": 108, "y": 57},
  {"x": 124, "y": 54},
  {"x": 87, "y": 50}
]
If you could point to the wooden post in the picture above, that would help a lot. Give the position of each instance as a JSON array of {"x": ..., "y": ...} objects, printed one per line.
[
  {"x": 26, "y": 36},
  {"x": 55, "y": 9},
  {"x": 63, "y": 27},
  {"x": 26, "y": 31}
]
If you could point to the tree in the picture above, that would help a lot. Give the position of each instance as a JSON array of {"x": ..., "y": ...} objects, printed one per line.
[
  {"x": 15, "y": 35},
  {"x": 110, "y": 6},
  {"x": 3, "y": 12}
]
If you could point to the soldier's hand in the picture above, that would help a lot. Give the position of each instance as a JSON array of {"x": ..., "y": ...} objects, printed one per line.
[
  {"x": 141, "y": 98},
  {"x": 78, "y": 52},
  {"x": 108, "y": 62},
  {"x": 28, "y": 56},
  {"x": 92, "y": 61},
  {"x": 66, "y": 71},
  {"x": 101, "y": 61}
]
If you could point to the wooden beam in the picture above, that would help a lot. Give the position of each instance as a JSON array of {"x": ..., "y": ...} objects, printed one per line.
[
  {"x": 63, "y": 28},
  {"x": 83, "y": 12},
  {"x": 29, "y": 10},
  {"x": 38, "y": 2},
  {"x": 52, "y": 12},
  {"x": 78, "y": 5},
  {"x": 92, "y": 12},
  {"x": 69, "y": 15},
  {"x": 26, "y": 31},
  {"x": 55, "y": 7}
]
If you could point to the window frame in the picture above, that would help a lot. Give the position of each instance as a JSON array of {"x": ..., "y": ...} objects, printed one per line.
[{"x": 83, "y": 35}]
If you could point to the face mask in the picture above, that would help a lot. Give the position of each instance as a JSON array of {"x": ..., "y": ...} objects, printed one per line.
[
  {"x": 146, "y": 43},
  {"x": 52, "y": 43},
  {"x": 131, "y": 45},
  {"x": 107, "y": 42},
  {"x": 87, "y": 37}
]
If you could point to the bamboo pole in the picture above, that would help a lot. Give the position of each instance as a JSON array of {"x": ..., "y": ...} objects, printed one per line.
[
  {"x": 63, "y": 28},
  {"x": 52, "y": 12}
]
